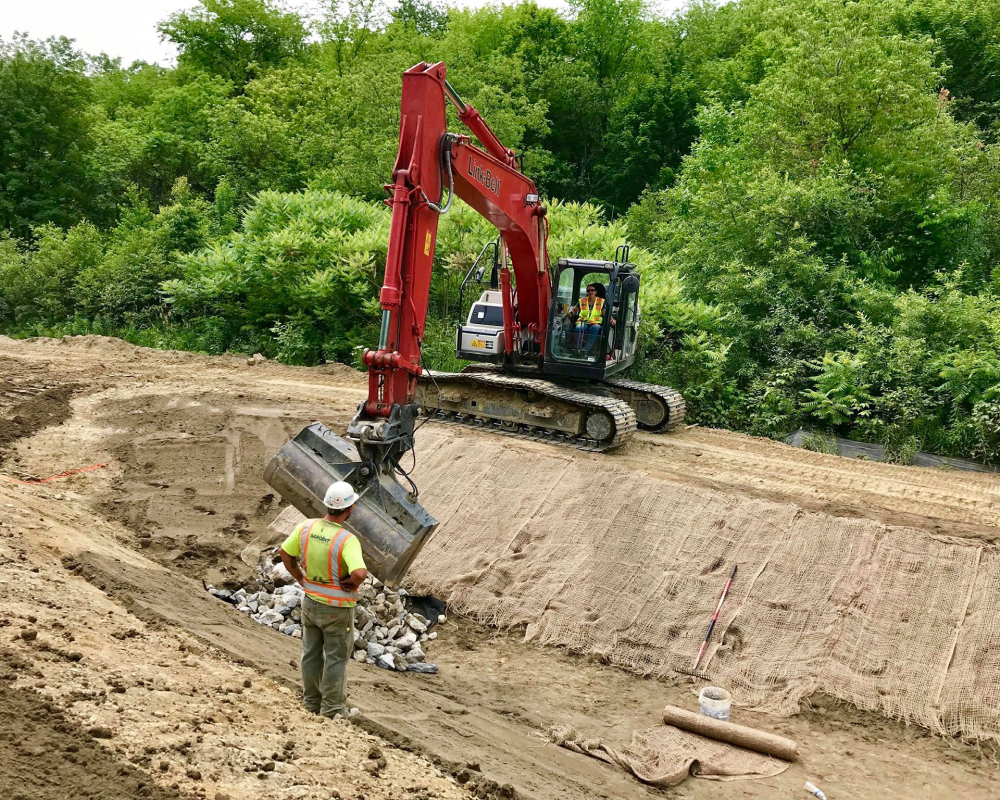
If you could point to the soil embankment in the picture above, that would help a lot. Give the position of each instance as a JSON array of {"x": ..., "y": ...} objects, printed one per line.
[
  {"x": 32, "y": 728},
  {"x": 186, "y": 439}
]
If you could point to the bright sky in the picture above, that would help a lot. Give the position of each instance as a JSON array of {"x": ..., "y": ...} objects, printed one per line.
[{"x": 127, "y": 28}]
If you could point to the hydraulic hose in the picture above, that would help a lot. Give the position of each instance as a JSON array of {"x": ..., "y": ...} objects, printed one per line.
[{"x": 446, "y": 141}]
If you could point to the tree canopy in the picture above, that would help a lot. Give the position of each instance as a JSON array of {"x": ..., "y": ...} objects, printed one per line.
[
  {"x": 45, "y": 134},
  {"x": 234, "y": 39}
]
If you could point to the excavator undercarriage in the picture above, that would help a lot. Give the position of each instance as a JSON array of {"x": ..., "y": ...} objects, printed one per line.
[{"x": 588, "y": 416}]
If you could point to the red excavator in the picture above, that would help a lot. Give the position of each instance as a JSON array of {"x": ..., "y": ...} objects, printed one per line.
[{"x": 538, "y": 371}]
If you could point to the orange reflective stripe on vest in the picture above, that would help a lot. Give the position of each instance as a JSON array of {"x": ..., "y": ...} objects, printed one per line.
[
  {"x": 591, "y": 315},
  {"x": 328, "y": 587}
]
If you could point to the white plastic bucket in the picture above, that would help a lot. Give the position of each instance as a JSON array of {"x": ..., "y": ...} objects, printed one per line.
[{"x": 715, "y": 702}]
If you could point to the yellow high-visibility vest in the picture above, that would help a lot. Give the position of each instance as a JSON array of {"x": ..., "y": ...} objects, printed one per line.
[
  {"x": 321, "y": 578},
  {"x": 592, "y": 314}
]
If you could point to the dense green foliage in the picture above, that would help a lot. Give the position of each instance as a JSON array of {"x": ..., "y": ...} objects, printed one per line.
[
  {"x": 811, "y": 187},
  {"x": 45, "y": 101}
]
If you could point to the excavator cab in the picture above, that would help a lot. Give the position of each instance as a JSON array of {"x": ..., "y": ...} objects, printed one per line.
[{"x": 593, "y": 351}]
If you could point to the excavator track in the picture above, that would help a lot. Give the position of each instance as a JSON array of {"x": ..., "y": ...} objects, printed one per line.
[
  {"x": 527, "y": 408},
  {"x": 657, "y": 408}
]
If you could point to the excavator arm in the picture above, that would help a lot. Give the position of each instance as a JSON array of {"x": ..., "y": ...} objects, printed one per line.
[
  {"x": 431, "y": 163},
  {"x": 432, "y": 167}
]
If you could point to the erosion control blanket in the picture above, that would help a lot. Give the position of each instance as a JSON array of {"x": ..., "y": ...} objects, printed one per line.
[
  {"x": 609, "y": 561},
  {"x": 666, "y": 755}
]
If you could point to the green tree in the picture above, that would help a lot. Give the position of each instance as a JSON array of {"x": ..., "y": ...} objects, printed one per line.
[
  {"x": 606, "y": 49},
  {"x": 37, "y": 281},
  {"x": 296, "y": 280},
  {"x": 349, "y": 26},
  {"x": 161, "y": 136},
  {"x": 423, "y": 17},
  {"x": 839, "y": 395},
  {"x": 45, "y": 133},
  {"x": 609, "y": 37},
  {"x": 122, "y": 287},
  {"x": 234, "y": 39},
  {"x": 651, "y": 126},
  {"x": 967, "y": 35},
  {"x": 838, "y": 180}
]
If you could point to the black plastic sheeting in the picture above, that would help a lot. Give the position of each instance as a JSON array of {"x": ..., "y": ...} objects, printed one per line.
[{"x": 428, "y": 607}]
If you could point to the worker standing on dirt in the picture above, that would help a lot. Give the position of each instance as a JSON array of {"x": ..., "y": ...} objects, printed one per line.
[{"x": 332, "y": 569}]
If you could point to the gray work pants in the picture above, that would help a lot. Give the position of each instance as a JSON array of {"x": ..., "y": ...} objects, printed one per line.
[{"x": 327, "y": 642}]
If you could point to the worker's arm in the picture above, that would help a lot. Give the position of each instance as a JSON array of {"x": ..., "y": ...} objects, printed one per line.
[
  {"x": 292, "y": 565},
  {"x": 353, "y": 565},
  {"x": 354, "y": 580}
]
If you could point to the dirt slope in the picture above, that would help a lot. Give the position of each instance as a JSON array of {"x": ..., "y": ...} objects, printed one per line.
[
  {"x": 184, "y": 715},
  {"x": 33, "y": 727},
  {"x": 186, "y": 439}
]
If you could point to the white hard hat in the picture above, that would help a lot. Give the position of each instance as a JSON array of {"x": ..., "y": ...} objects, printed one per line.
[{"x": 340, "y": 495}]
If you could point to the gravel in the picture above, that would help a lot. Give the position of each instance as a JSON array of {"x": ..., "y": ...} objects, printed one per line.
[{"x": 386, "y": 633}]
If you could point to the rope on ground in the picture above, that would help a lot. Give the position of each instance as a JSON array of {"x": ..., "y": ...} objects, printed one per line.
[{"x": 36, "y": 481}]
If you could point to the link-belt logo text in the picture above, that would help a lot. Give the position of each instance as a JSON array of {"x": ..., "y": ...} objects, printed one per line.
[{"x": 484, "y": 177}]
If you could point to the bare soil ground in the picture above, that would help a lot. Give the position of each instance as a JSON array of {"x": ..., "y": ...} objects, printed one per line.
[{"x": 109, "y": 634}]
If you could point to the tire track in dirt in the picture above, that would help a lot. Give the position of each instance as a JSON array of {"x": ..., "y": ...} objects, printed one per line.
[{"x": 946, "y": 502}]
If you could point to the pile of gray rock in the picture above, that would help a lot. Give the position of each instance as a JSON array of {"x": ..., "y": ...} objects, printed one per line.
[
  {"x": 387, "y": 633},
  {"x": 281, "y": 609}
]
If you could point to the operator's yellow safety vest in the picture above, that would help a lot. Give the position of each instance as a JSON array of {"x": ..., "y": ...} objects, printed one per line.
[
  {"x": 590, "y": 314},
  {"x": 323, "y": 585}
]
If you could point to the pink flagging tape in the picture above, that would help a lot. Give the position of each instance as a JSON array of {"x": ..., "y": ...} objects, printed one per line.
[{"x": 35, "y": 481}]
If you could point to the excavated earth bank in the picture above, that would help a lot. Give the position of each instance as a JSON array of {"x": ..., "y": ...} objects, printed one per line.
[{"x": 120, "y": 553}]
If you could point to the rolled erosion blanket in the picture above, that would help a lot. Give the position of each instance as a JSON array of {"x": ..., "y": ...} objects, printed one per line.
[{"x": 740, "y": 735}]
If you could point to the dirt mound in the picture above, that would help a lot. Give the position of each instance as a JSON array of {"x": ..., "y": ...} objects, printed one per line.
[
  {"x": 47, "y": 755},
  {"x": 26, "y": 409},
  {"x": 342, "y": 371},
  {"x": 190, "y": 487},
  {"x": 98, "y": 345}
]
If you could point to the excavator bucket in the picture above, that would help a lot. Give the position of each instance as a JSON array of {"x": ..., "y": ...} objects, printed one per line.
[{"x": 391, "y": 525}]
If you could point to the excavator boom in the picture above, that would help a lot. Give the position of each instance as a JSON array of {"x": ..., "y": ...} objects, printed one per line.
[
  {"x": 432, "y": 163},
  {"x": 432, "y": 166}
]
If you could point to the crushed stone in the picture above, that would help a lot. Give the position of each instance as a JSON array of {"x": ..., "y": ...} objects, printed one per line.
[{"x": 387, "y": 632}]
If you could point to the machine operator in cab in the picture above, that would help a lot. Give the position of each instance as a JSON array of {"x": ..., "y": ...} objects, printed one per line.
[
  {"x": 325, "y": 558},
  {"x": 589, "y": 313}
]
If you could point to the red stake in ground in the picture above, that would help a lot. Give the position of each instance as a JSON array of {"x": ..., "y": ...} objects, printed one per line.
[{"x": 715, "y": 616}]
